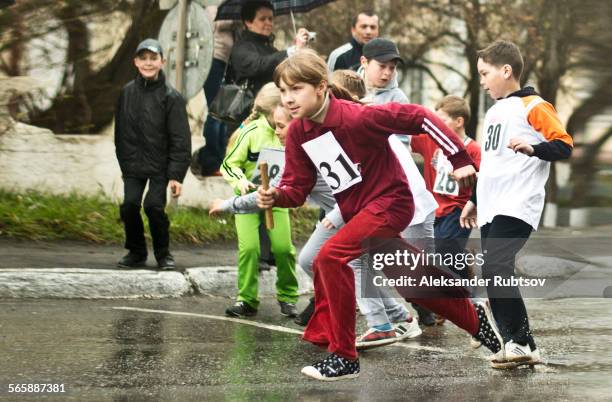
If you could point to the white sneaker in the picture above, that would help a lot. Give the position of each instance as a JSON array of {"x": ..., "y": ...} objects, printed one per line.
[
  {"x": 475, "y": 343},
  {"x": 516, "y": 355},
  {"x": 407, "y": 329}
]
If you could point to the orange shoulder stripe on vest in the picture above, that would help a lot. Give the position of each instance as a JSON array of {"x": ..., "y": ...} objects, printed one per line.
[{"x": 544, "y": 119}]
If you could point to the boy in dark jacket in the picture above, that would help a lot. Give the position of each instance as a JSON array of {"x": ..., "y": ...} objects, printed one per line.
[{"x": 153, "y": 144}]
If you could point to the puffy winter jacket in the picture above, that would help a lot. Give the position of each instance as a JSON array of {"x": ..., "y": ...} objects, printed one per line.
[
  {"x": 254, "y": 57},
  {"x": 152, "y": 136}
]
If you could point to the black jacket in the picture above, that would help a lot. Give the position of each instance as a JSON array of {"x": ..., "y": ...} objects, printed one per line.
[
  {"x": 152, "y": 136},
  {"x": 346, "y": 57},
  {"x": 254, "y": 57}
]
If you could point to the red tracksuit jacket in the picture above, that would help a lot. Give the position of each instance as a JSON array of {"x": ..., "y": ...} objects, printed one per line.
[{"x": 362, "y": 132}]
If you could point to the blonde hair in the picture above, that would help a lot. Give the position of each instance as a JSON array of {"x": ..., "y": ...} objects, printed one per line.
[
  {"x": 350, "y": 80},
  {"x": 455, "y": 106},
  {"x": 308, "y": 67},
  {"x": 267, "y": 99}
]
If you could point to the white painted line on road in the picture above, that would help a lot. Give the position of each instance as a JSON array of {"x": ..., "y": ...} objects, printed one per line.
[
  {"x": 419, "y": 347},
  {"x": 215, "y": 317},
  {"x": 262, "y": 325}
]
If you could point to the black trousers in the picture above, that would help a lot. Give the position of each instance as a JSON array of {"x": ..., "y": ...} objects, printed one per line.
[
  {"x": 154, "y": 207},
  {"x": 501, "y": 240}
]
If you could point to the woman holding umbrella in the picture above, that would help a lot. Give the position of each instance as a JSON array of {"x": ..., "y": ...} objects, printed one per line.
[{"x": 253, "y": 57}]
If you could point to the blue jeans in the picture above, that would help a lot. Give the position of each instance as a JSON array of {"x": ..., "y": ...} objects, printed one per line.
[
  {"x": 451, "y": 237},
  {"x": 215, "y": 132}
]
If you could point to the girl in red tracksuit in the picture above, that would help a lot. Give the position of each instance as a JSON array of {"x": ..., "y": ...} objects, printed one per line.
[{"x": 348, "y": 144}]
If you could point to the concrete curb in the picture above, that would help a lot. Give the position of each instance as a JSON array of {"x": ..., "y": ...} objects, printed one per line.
[{"x": 83, "y": 283}]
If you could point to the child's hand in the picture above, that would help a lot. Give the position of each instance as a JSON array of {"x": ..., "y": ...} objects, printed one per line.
[
  {"x": 245, "y": 186},
  {"x": 327, "y": 224},
  {"x": 215, "y": 207},
  {"x": 467, "y": 220},
  {"x": 465, "y": 176},
  {"x": 518, "y": 144},
  {"x": 175, "y": 188},
  {"x": 266, "y": 198}
]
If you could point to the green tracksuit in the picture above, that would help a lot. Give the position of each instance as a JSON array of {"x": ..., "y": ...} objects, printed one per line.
[{"x": 238, "y": 164}]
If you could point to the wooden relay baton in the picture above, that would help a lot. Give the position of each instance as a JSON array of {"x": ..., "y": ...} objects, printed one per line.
[{"x": 265, "y": 184}]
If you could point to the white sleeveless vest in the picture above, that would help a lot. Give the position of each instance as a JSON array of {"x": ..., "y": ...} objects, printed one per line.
[{"x": 510, "y": 183}]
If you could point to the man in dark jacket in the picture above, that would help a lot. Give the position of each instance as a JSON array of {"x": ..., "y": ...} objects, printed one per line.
[
  {"x": 348, "y": 56},
  {"x": 153, "y": 144}
]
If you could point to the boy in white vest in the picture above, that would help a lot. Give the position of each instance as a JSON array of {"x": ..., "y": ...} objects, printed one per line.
[{"x": 522, "y": 135}]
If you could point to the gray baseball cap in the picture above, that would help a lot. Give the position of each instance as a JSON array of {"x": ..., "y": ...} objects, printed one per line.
[{"x": 152, "y": 45}]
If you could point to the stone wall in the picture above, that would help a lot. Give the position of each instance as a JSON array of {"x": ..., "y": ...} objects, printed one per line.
[{"x": 35, "y": 158}]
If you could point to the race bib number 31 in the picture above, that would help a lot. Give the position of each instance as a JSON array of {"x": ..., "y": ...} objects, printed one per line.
[{"x": 332, "y": 162}]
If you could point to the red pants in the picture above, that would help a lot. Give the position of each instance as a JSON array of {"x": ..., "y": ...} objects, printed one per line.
[{"x": 333, "y": 322}]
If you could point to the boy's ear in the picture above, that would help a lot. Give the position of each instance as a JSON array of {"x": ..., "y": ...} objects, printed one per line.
[
  {"x": 507, "y": 71},
  {"x": 363, "y": 61},
  {"x": 460, "y": 121}
]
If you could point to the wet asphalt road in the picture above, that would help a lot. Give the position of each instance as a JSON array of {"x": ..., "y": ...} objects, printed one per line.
[{"x": 100, "y": 352}]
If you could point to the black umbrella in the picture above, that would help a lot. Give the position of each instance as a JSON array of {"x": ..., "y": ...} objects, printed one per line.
[
  {"x": 230, "y": 9},
  {"x": 6, "y": 3}
]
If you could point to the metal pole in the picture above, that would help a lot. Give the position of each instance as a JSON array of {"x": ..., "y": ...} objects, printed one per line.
[
  {"x": 293, "y": 22},
  {"x": 180, "y": 64},
  {"x": 180, "y": 45}
]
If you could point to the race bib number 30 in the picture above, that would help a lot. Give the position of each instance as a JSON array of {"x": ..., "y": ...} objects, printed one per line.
[
  {"x": 495, "y": 136},
  {"x": 332, "y": 162}
]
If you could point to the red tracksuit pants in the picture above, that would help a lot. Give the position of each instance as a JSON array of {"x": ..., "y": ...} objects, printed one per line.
[{"x": 333, "y": 322}]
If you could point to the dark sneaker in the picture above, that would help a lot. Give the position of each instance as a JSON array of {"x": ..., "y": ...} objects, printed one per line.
[
  {"x": 303, "y": 318},
  {"x": 373, "y": 338},
  {"x": 264, "y": 266},
  {"x": 488, "y": 334},
  {"x": 288, "y": 309},
  {"x": 333, "y": 368},
  {"x": 426, "y": 317},
  {"x": 166, "y": 263},
  {"x": 132, "y": 260},
  {"x": 240, "y": 309}
]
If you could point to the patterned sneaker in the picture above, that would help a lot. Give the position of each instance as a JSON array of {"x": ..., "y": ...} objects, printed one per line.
[
  {"x": 516, "y": 355},
  {"x": 374, "y": 338},
  {"x": 407, "y": 329},
  {"x": 488, "y": 333},
  {"x": 240, "y": 309},
  {"x": 333, "y": 368}
]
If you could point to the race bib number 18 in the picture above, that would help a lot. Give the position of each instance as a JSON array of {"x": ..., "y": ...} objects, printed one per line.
[
  {"x": 332, "y": 162},
  {"x": 276, "y": 163}
]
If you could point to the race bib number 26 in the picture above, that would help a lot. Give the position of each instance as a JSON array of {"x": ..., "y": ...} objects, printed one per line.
[
  {"x": 332, "y": 162},
  {"x": 445, "y": 184}
]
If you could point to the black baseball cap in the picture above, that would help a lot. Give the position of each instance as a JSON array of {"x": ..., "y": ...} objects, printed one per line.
[
  {"x": 152, "y": 45},
  {"x": 382, "y": 50}
]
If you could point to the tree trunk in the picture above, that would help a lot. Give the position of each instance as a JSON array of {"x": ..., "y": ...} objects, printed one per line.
[{"x": 88, "y": 106}]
